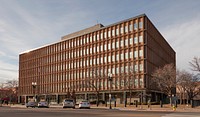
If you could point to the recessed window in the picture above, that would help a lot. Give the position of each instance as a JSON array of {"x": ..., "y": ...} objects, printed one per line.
[
  {"x": 130, "y": 27},
  {"x": 117, "y": 44},
  {"x": 136, "y": 54},
  {"x": 141, "y": 67},
  {"x": 122, "y": 43},
  {"x": 113, "y": 57},
  {"x": 117, "y": 31},
  {"x": 126, "y": 42},
  {"x": 140, "y": 25},
  {"x": 121, "y": 30},
  {"x": 131, "y": 55},
  {"x": 126, "y": 29},
  {"x": 109, "y": 35},
  {"x": 126, "y": 55},
  {"x": 141, "y": 39},
  {"x": 141, "y": 53},
  {"x": 122, "y": 56},
  {"x": 135, "y": 40},
  {"x": 135, "y": 26},
  {"x": 113, "y": 32},
  {"x": 136, "y": 68}
]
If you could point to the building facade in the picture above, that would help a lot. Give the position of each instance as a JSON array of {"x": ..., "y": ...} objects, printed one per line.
[{"x": 81, "y": 62}]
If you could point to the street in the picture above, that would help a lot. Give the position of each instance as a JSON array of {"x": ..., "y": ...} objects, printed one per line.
[{"x": 60, "y": 112}]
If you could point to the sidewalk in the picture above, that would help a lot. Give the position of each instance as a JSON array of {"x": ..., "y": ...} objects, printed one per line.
[
  {"x": 165, "y": 108},
  {"x": 152, "y": 108}
]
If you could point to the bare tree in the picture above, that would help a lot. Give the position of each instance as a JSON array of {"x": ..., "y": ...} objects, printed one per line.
[
  {"x": 181, "y": 78},
  {"x": 128, "y": 80},
  {"x": 195, "y": 64},
  {"x": 165, "y": 79},
  {"x": 191, "y": 85},
  {"x": 97, "y": 76}
]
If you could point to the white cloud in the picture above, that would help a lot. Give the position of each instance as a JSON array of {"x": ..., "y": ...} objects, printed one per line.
[{"x": 184, "y": 38}]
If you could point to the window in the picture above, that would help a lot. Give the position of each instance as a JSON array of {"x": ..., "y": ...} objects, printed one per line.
[
  {"x": 117, "y": 57},
  {"x": 135, "y": 26},
  {"x": 101, "y": 60},
  {"x": 109, "y": 34},
  {"x": 109, "y": 58},
  {"x": 117, "y": 31},
  {"x": 90, "y": 50},
  {"x": 101, "y": 47},
  {"x": 105, "y": 47},
  {"x": 117, "y": 70},
  {"x": 97, "y": 36},
  {"x": 121, "y": 30},
  {"x": 141, "y": 53},
  {"x": 126, "y": 42},
  {"x": 94, "y": 37},
  {"x": 117, "y": 44},
  {"x": 87, "y": 40},
  {"x": 130, "y": 27},
  {"x": 126, "y": 55},
  {"x": 109, "y": 46},
  {"x": 94, "y": 49},
  {"x": 136, "y": 68},
  {"x": 87, "y": 51},
  {"x": 105, "y": 35},
  {"x": 136, "y": 54},
  {"x": 122, "y": 43},
  {"x": 126, "y": 29},
  {"x": 113, "y": 70},
  {"x": 105, "y": 59},
  {"x": 81, "y": 41},
  {"x": 135, "y": 40},
  {"x": 141, "y": 67},
  {"x": 97, "y": 48},
  {"x": 141, "y": 82},
  {"x": 113, "y": 57},
  {"x": 113, "y": 32},
  {"x": 131, "y": 55},
  {"x": 122, "y": 56},
  {"x": 113, "y": 45},
  {"x": 141, "y": 39},
  {"x": 97, "y": 60},
  {"x": 131, "y": 41},
  {"x": 136, "y": 82},
  {"x": 140, "y": 25},
  {"x": 101, "y": 37},
  {"x": 94, "y": 61}
]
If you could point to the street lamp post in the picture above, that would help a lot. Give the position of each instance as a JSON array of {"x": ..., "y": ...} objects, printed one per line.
[
  {"x": 34, "y": 86},
  {"x": 110, "y": 96}
]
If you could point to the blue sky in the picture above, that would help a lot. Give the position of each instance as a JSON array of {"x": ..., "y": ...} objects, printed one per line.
[{"x": 28, "y": 24}]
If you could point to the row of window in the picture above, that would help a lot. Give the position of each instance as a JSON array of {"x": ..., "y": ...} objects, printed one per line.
[
  {"x": 86, "y": 86},
  {"x": 84, "y": 61},
  {"x": 87, "y": 73}
]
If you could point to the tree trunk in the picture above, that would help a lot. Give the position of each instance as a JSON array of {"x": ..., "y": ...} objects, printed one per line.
[
  {"x": 192, "y": 103},
  {"x": 130, "y": 96},
  {"x": 97, "y": 99}
]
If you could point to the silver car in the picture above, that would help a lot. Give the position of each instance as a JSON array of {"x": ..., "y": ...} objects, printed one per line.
[
  {"x": 31, "y": 104},
  {"x": 84, "y": 104},
  {"x": 43, "y": 104},
  {"x": 68, "y": 103}
]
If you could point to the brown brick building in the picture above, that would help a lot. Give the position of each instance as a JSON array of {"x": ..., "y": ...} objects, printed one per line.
[{"x": 130, "y": 49}]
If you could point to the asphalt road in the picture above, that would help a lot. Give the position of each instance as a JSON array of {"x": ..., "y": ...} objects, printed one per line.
[{"x": 59, "y": 112}]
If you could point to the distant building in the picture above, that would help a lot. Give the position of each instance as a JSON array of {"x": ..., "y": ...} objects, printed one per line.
[{"x": 130, "y": 50}]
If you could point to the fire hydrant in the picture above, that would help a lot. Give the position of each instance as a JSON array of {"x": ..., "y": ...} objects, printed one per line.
[{"x": 174, "y": 108}]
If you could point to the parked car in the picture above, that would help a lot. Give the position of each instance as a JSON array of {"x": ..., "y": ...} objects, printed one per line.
[
  {"x": 43, "y": 104},
  {"x": 84, "y": 104},
  {"x": 69, "y": 103},
  {"x": 31, "y": 104}
]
